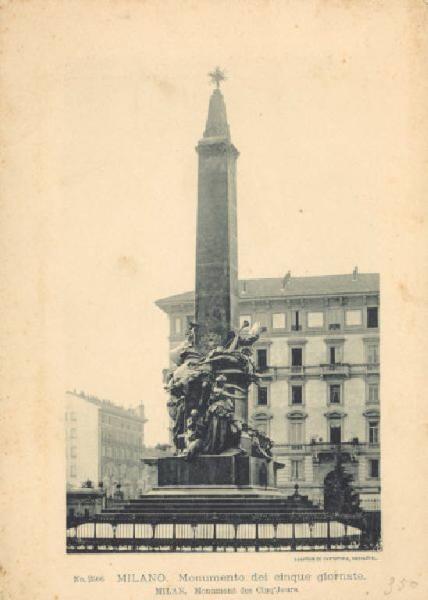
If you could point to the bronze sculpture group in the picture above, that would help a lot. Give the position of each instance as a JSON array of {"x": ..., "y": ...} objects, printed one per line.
[{"x": 204, "y": 387}]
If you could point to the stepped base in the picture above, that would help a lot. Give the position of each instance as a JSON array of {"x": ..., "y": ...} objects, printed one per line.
[
  {"x": 227, "y": 471},
  {"x": 202, "y": 491}
]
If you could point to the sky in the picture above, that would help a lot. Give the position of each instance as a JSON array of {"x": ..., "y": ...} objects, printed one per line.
[{"x": 314, "y": 111}]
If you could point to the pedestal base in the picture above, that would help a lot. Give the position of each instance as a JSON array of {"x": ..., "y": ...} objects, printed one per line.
[{"x": 215, "y": 471}]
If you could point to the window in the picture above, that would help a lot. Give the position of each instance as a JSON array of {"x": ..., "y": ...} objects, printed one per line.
[
  {"x": 262, "y": 396},
  {"x": 104, "y": 453},
  {"x": 334, "y": 319},
  {"x": 295, "y": 325},
  {"x": 374, "y": 468},
  {"x": 315, "y": 319},
  {"x": 242, "y": 320},
  {"x": 334, "y": 393},
  {"x": 262, "y": 359},
  {"x": 263, "y": 319},
  {"x": 296, "y": 357},
  {"x": 296, "y": 394},
  {"x": 296, "y": 470},
  {"x": 373, "y": 353},
  {"x": 73, "y": 432},
  {"x": 73, "y": 452},
  {"x": 278, "y": 321},
  {"x": 353, "y": 317},
  {"x": 73, "y": 471},
  {"x": 372, "y": 317},
  {"x": 373, "y": 432},
  {"x": 296, "y": 432},
  {"x": 334, "y": 352},
  {"x": 73, "y": 416},
  {"x": 335, "y": 432},
  {"x": 373, "y": 393},
  {"x": 177, "y": 325}
]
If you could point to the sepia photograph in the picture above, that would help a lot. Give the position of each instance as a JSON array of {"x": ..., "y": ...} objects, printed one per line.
[{"x": 271, "y": 388}]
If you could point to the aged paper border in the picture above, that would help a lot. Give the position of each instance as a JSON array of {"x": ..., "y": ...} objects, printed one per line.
[{"x": 33, "y": 563}]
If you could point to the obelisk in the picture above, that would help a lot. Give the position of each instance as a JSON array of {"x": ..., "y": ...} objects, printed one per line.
[{"x": 216, "y": 308}]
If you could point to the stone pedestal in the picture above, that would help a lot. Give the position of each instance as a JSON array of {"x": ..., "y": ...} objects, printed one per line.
[{"x": 215, "y": 471}]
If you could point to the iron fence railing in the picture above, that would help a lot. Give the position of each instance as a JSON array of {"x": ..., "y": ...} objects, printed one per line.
[{"x": 294, "y": 531}]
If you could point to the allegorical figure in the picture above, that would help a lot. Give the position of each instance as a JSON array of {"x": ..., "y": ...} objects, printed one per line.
[
  {"x": 203, "y": 390},
  {"x": 194, "y": 437},
  {"x": 221, "y": 428},
  {"x": 176, "y": 409}
]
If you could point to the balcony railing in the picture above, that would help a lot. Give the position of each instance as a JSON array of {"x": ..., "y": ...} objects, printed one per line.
[
  {"x": 266, "y": 372},
  {"x": 328, "y": 447},
  {"x": 324, "y": 370},
  {"x": 337, "y": 369},
  {"x": 297, "y": 369}
]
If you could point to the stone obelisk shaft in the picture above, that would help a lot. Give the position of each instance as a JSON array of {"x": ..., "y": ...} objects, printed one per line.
[{"x": 216, "y": 243}]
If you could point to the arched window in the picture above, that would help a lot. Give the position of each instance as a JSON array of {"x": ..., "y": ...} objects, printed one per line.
[
  {"x": 335, "y": 427},
  {"x": 296, "y": 428}
]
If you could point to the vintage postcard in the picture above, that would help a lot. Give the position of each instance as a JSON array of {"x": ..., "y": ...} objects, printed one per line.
[{"x": 214, "y": 279}]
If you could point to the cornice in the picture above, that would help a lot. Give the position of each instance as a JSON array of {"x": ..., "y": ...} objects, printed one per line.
[
  {"x": 372, "y": 412},
  {"x": 296, "y": 414},
  {"x": 335, "y": 414}
]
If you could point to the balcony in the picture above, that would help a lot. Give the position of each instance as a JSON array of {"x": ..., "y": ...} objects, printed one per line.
[
  {"x": 372, "y": 368},
  {"x": 265, "y": 372},
  {"x": 334, "y": 327},
  {"x": 326, "y": 451},
  {"x": 296, "y": 371},
  {"x": 335, "y": 370},
  {"x": 299, "y": 448},
  {"x": 296, "y": 328}
]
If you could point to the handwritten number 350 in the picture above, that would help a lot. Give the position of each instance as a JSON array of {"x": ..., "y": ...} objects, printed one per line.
[{"x": 399, "y": 585}]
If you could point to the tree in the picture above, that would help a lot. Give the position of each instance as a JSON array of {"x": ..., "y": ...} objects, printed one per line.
[{"x": 339, "y": 495}]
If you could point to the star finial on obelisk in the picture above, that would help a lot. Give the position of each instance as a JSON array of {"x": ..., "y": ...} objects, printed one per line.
[{"x": 216, "y": 76}]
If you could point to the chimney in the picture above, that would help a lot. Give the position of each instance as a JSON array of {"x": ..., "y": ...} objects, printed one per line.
[
  {"x": 140, "y": 411},
  {"x": 286, "y": 279},
  {"x": 355, "y": 274}
]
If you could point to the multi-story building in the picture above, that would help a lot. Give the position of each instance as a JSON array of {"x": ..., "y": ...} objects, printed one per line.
[
  {"x": 104, "y": 443},
  {"x": 318, "y": 362}
]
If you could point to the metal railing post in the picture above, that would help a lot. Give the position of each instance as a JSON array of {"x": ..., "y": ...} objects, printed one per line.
[
  {"x": 328, "y": 535},
  {"x": 174, "y": 535},
  {"x": 346, "y": 540},
  {"x": 293, "y": 535}
]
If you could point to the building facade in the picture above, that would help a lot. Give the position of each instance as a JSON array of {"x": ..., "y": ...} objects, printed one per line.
[
  {"x": 84, "y": 502},
  {"x": 318, "y": 363},
  {"x": 104, "y": 443}
]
